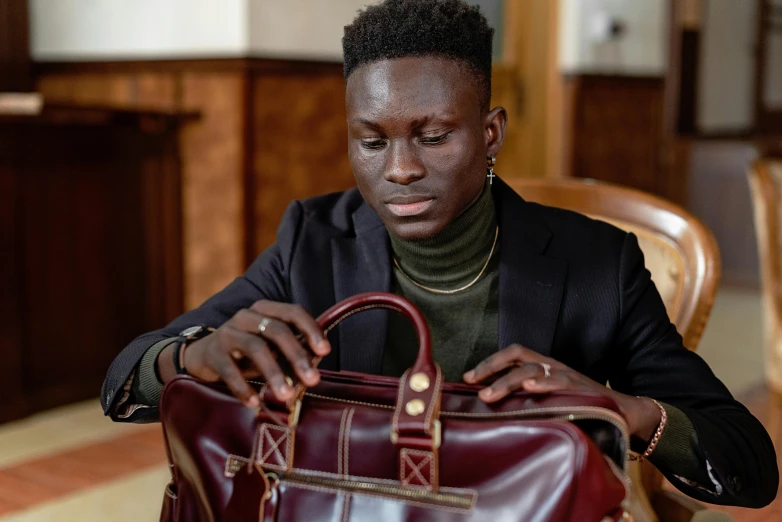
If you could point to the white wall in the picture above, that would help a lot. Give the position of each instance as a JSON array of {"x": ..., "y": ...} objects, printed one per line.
[
  {"x": 773, "y": 79},
  {"x": 641, "y": 50},
  {"x": 727, "y": 66},
  {"x": 117, "y": 29},
  {"x": 309, "y": 29},
  {"x": 139, "y": 29}
]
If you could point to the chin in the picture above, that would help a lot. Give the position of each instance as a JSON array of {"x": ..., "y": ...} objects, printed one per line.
[{"x": 414, "y": 230}]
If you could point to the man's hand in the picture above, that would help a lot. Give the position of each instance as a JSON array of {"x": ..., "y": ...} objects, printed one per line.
[
  {"x": 528, "y": 370},
  {"x": 217, "y": 356}
]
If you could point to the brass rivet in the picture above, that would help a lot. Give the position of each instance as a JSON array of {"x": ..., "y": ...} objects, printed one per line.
[
  {"x": 673, "y": 272},
  {"x": 415, "y": 407},
  {"x": 419, "y": 382}
]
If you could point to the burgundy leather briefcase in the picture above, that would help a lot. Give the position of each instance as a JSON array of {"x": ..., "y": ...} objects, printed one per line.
[{"x": 368, "y": 448}]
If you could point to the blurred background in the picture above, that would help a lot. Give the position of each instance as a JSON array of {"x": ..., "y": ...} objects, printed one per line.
[{"x": 148, "y": 150}]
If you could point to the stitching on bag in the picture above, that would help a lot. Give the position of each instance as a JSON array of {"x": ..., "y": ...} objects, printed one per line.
[
  {"x": 324, "y": 489},
  {"x": 346, "y": 507},
  {"x": 549, "y": 411},
  {"x": 399, "y": 397},
  {"x": 234, "y": 464},
  {"x": 359, "y": 478},
  {"x": 340, "y": 439},
  {"x": 415, "y": 469},
  {"x": 274, "y": 449},
  {"x": 348, "y": 401},
  {"x": 437, "y": 384},
  {"x": 346, "y": 453},
  {"x": 357, "y": 310}
]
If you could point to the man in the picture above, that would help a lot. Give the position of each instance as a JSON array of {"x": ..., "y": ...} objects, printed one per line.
[{"x": 518, "y": 296}]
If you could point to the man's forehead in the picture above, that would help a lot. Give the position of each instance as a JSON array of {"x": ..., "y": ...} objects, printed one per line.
[{"x": 433, "y": 85}]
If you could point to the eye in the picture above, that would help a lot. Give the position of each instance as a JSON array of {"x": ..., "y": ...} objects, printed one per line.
[
  {"x": 373, "y": 144},
  {"x": 433, "y": 140}
]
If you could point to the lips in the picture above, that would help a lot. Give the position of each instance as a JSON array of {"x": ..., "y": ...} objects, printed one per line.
[{"x": 406, "y": 206}]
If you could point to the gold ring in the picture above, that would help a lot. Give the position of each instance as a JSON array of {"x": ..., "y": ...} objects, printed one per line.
[
  {"x": 264, "y": 324},
  {"x": 546, "y": 369}
]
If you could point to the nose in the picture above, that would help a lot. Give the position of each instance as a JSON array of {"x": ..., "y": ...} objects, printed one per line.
[{"x": 404, "y": 166}]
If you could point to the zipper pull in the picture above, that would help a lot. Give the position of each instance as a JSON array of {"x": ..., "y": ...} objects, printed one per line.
[{"x": 271, "y": 497}]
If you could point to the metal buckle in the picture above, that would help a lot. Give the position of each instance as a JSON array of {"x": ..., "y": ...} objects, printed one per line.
[
  {"x": 293, "y": 418},
  {"x": 437, "y": 436}
]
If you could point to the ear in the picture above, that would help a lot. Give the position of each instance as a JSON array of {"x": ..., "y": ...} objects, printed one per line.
[{"x": 494, "y": 125}]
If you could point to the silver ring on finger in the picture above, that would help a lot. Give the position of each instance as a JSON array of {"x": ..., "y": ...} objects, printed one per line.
[
  {"x": 546, "y": 369},
  {"x": 264, "y": 324}
]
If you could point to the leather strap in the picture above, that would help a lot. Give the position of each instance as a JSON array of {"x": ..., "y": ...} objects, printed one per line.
[{"x": 415, "y": 427}]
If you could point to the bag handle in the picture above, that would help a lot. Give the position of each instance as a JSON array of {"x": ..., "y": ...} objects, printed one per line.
[{"x": 415, "y": 426}]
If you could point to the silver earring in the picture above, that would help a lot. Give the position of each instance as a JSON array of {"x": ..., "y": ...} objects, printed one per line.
[{"x": 490, "y": 161}]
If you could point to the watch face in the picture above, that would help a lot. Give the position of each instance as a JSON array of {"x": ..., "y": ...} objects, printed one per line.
[{"x": 187, "y": 332}]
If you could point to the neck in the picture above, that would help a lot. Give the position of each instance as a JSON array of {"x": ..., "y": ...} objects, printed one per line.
[{"x": 455, "y": 255}]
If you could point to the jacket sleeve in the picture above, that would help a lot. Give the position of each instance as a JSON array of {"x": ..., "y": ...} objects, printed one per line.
[
  {"x": 651, "y": 361},
  {"x": 267, "y": 278}
]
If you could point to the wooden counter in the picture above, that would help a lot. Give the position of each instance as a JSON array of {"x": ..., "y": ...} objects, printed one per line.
[{"x": 90, "y": 246}]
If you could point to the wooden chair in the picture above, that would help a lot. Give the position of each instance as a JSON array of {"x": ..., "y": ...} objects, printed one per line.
[
  {"x": 765, "y": 180},
  {"x": 683, "y": 258}
]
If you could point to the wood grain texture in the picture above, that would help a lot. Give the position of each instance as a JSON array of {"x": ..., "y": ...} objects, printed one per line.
[
  {"x": 85, "y": 280},
  {"x": 14, "y": 46},
  {"x": 212, "y": 183},
  {"x": 300, "y": 143},
  {"x": 616, "y": 133},
  {"x": 211, "y": 150},
  {"x": 11, "y": 288}
]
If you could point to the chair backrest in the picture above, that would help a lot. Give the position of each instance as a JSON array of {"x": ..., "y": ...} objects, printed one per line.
[
  {"x": 765, "y": 180},
  {"x": 679, "y": 251}
]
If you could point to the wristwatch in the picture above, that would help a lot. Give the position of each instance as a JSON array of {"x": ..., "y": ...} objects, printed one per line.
[{"x": 187, "y": 336}]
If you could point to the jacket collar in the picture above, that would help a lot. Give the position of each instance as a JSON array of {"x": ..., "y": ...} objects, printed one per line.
[{"x": 531, "y": 284}]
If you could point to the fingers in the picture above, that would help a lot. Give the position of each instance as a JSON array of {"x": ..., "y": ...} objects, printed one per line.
[
  {"x": 513, "y": 355},
  {"x": 226, "y": 368},
  {"x": 514, "y": 380},
  {"x": 232, "y": 340},
  {"x": 298, "y": 317},
  {"x": 279, "y": 335}
]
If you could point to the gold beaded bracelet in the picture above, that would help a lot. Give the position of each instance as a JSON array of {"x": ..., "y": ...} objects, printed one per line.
[{"x": 657, "y": 435}]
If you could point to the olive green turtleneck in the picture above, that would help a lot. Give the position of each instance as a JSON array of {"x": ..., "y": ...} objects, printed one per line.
[{"x": 464, "y": 324}]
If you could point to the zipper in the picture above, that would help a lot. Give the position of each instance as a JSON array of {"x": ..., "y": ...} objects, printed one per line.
[
  {"x": 463, "y": 501},
  {"x": 567, "y": 413}
]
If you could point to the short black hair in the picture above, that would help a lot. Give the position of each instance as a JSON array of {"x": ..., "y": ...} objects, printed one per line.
[{"x": 399, "y": 28}]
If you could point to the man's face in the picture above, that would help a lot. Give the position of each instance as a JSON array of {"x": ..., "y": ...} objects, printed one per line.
[{"x": 418, "y": 141}]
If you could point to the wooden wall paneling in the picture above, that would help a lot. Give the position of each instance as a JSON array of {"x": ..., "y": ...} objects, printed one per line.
[
  {"x": 84, "y": 247},
  {"x": 12, "y": 404},
  {"x": 212, "y": 148},
  {"x": 300, "y": 142},
  {"x": 139, "y": 89},
  {"x": 92, "y": 264},
  {"x": 14, "y": 46},
  {"x": 88, "y": 88},
  {"x": 617, "y": 130},
  {"x": 161, "y": 201},
  {"x": 212, "y": 180},
  {"x": 523, "y": 83}
]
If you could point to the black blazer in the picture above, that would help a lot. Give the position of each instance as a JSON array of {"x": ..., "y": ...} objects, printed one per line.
[{"x": 572, "y": 288}]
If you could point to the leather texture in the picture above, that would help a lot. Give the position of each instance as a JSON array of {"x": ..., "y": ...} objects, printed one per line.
[{"x": 353, "y": 449}]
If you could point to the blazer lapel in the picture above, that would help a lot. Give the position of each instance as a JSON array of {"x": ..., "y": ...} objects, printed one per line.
[
  {"x": 362, "y": 264},
  {"x": 531, "y": 285}
]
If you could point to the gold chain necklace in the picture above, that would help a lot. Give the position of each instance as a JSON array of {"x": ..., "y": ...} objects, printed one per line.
[{"x": 455, "y": 290}]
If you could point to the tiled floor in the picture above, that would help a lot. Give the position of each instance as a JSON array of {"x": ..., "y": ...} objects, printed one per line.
[{"x": 73, "y": 464}]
